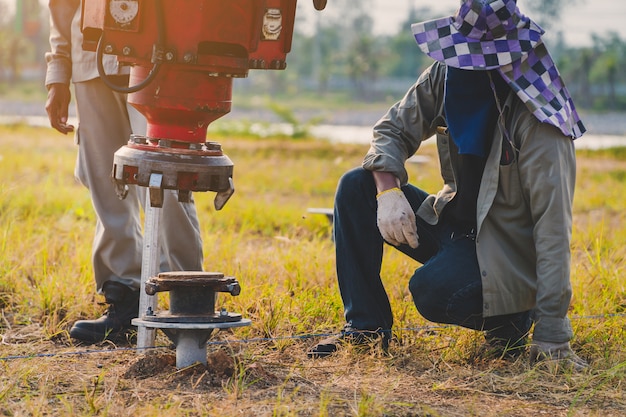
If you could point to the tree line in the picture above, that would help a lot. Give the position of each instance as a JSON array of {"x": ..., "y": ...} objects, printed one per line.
[{"x": 340, "y": 54}]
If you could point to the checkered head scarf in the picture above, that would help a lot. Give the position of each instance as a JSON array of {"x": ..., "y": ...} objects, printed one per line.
[{"x": 494, "y": 34}]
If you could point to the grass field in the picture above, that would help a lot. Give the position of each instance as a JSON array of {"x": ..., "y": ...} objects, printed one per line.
[{"x": 283, "y": 257}]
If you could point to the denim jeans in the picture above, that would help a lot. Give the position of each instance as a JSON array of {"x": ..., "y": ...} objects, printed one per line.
[{"x": 447, "y": 288}]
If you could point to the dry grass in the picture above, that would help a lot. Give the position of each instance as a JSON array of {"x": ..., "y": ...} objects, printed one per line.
[{"x": 283, "y": 258}]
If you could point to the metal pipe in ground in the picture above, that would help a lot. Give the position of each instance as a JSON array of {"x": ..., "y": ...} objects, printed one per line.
[{"x": 149, "y": 268}]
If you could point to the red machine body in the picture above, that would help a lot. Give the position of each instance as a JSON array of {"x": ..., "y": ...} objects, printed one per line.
[
  {"x": 183, "y": 56},
  {"x": 199, "y": 45}
]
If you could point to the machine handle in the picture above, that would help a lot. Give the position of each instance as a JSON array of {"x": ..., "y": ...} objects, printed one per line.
[{"x": 319, "y": 4}]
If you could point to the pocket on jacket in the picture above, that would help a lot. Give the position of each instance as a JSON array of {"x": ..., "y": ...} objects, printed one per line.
[{"x": 509, "y": 186}]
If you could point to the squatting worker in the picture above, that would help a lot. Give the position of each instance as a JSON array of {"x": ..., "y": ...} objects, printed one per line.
[
  {"x": 105, "y": 124},
  {"x": 495, "y": 241}
]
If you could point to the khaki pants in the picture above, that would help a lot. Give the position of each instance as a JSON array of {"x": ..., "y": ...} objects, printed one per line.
[{"x": 105, "y": 124}]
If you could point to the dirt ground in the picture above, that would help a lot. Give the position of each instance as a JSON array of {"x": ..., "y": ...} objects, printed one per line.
[{"x": 265, "y": 379}]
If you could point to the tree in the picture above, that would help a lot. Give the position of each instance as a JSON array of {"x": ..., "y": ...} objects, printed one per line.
[
  {"x": 404, "y": 57},
  {"x": 611, "y": 55},
  {"x": 361, "y": 58},
  {"x": 363, "y": 65},
  {"x": 21, "y": 38},
  {"x": 547, "y": 12}
]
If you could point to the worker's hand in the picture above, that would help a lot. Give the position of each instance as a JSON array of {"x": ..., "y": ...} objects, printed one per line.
[
  {"x": 57, "y": 106},
  {"x": 395, "y": 218},
  {"x": 559, "y": 354}
]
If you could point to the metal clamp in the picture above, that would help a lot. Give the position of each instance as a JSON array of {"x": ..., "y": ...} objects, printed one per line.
[{"x": 156, "y": 189}]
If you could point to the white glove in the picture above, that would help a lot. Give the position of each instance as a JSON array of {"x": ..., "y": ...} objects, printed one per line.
[
  {"x": 395, "y": 218},
  {"x": 558, "y": 353}
]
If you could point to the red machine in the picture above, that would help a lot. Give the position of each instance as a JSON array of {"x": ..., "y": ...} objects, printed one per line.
[{"x": 183, "y": 56}]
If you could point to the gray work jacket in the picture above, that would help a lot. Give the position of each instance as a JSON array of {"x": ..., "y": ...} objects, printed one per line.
[
  {"x": 524, "y": 208},
  {"x": 66, "y": 60}
]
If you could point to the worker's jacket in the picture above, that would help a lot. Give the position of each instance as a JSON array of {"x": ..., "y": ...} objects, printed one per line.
[
  {"x": 66, "y": 60},
  {"x": 524, "y": 207}
]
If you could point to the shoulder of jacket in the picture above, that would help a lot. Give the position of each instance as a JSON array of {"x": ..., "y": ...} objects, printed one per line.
[{"x": 435, "y": 73}]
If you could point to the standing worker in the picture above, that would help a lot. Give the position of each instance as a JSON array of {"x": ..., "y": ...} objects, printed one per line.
[
  {"x": 105, "y": 123},
  {"x": 495, "y": 241}
]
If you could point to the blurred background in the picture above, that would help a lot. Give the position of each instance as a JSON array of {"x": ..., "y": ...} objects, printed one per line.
[{"x": 365, "y": 54}]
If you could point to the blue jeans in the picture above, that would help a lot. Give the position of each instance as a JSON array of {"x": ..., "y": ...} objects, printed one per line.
[{"x": 447, "y": 288}]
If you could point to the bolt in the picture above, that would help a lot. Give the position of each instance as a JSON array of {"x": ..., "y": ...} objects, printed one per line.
[
  {"x": 169, "y": 56},
  {"x": 234, "y": 289},
  {"x": 223, "y": 312},
  {"x": 149, "y": 312},
  {"x": 213, "y": 146},
  {"x": 126, "y": 50},
  {"x": 108, "y": 49},
  {"x": 188, "y": 58}
]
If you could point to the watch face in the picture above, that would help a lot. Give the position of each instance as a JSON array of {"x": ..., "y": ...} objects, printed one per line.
[{"x": 123, "y": 11}]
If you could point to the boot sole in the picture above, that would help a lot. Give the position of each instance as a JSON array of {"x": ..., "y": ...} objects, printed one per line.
[{"x": 87, "y": 336}]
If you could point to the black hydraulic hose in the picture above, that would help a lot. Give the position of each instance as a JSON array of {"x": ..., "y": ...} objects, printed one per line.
[
  {"x": 157, "y": 60},
  {"x": 116, "y": 87}
]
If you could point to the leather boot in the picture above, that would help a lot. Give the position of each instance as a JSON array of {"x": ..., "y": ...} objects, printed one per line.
[
  {"x": 116, "y": 321},
  {"x": 361, "y": 339}
]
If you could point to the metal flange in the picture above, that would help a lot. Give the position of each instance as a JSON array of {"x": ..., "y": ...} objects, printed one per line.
[
  {"x": 185, "y": 170},
  {"x": 190, "y": 339},
  {"x": 191, "y": 317}
]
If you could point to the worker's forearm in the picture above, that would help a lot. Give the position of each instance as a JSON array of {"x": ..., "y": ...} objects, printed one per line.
[{"x": 385, "y": 180}]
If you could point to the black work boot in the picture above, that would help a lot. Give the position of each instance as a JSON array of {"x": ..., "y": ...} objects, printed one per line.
[
  {"x": 508, "y": 342},
  {"x": 362, "y": 339},
  {"x": 115, "y": 323},
  {"x": 502, "y": 348}
]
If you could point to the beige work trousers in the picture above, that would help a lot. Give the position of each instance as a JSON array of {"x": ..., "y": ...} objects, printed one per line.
[{"x": 105, "y": 122}]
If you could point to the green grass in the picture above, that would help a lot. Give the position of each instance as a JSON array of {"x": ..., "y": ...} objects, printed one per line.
[
  {"x": 27, "y": 91},
  {"x": 284, "y": 260}
]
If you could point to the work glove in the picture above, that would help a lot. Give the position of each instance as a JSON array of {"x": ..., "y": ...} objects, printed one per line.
[
  {"x": 556, "y": 354},
  {"x": 395, "y": 218}
]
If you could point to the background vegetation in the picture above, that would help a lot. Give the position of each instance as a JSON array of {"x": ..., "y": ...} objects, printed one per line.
[
  {"x": 342, "y": 55},
  {"x": 283, "y": 257}
]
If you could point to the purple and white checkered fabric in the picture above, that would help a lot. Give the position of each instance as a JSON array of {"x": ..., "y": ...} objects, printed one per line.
[
  {"x": 490, "y": 34},
  {"x": 480, "y": 36},
  {"x": 537, "y": 82}
]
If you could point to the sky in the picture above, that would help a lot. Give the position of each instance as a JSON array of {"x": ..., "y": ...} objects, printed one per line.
[{"x": 577, "y": 23}]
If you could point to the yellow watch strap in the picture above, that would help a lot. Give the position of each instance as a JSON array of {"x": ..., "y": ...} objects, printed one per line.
[{"x": 387, "y": 191}]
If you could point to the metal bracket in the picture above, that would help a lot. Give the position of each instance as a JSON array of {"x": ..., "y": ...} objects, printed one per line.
[
  {"x": 319, "y": 4},
  {"x": 121, "y": 190},
  {"x": 156, "y": 189},
  {"x": 222, "y": 197}
]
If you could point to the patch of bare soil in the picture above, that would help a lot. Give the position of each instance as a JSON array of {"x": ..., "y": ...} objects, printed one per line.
[
  {"x": 409, "y": 382},
  {"x": 221, "y": 368},
  {"x": 418, "y": 377},
  {"x": 152, "y": 364}
]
